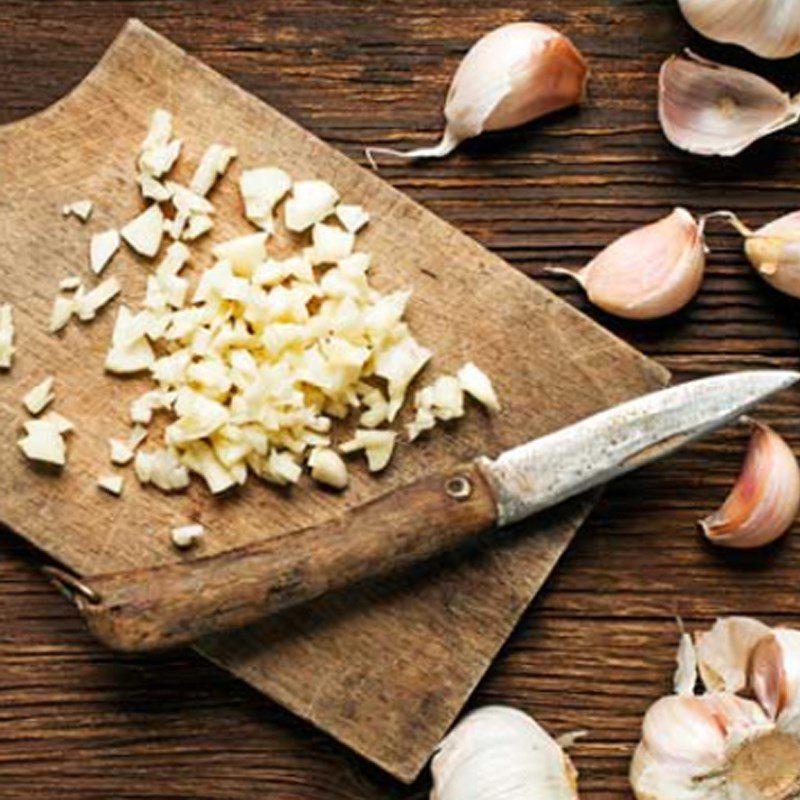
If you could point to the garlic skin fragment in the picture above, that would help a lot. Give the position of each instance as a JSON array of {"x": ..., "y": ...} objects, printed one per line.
[
  {"x": 711, "y": 109},
  {"x": 649, "y": 273},
  {"x": 768, "y": 28},
  {"x": 513, "y": 75},
  {"x": 765, "y": 499},
  {"x": 740, "y": 739},
  {"x": 500, "y": 752}
]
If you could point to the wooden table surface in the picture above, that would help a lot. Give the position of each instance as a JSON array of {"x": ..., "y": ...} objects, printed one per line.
[{"x": 597, "y": 646}]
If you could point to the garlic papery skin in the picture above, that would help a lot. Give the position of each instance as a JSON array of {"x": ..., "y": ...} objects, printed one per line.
[
  {"x": 773, "y": 250},
  {"x": 500, "y": 753},
  {"x": 514, "y": 74},
  {"x": 765, "y": 499},
  {"x": 768, "y": 28},
  {"x": 713, "y": 109},
  {"x": 720, "y": 745},
  {"x": 650, "y": 272}
]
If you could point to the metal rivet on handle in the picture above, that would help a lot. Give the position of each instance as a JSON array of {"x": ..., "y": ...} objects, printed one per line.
[{"x": 458, "y": 487}]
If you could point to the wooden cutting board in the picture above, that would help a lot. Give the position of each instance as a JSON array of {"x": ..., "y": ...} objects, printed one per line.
[{"x": 386, "y": 668}]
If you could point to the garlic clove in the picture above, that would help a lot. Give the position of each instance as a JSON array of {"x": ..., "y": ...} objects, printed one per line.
[
  {"x": 765, "y": 499},
  {"x": 724, "y": 652},
  {"x": 769, "y": 28},
  {"x": 498, "y": 751},
  {"x": 774, "y": 676},
  {"x": 773, "y": 250},
  {"x": 713, "y": 109},
  {"x": 650, "y": 272},
  {"x": 513, "y": 75}
]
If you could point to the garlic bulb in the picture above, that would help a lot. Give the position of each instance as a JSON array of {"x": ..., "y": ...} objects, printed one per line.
[
  {"x": 514, "y": 74},
  {"x": 769, "y": 28},
  {"x": 765, "y": 499},
  {"x": 500, "y": 753},
  {"x": 713, "y": 109},
  {"x": 650, "y": 272},
  {"x": 773, "y": 250},
  {"x": 720, "y": 745}
]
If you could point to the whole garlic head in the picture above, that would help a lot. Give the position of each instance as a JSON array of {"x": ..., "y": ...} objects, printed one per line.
[
  {"x": 500, "y": 753},
  {"x": 721, "y": 745},
  {"x": 769, "y": 28}
]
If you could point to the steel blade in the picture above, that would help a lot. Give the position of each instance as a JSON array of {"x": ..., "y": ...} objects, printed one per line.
[{"x": 546, "y": 471}]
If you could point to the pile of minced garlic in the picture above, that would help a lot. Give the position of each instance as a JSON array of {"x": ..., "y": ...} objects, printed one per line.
[{"x": 254, "y": 361}]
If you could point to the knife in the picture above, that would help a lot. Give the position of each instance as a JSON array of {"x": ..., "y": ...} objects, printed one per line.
[{"x": 156, "y": 608}]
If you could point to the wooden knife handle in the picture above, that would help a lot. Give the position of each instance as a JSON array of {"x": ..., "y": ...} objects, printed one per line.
[{"x": 152, "y": 609}]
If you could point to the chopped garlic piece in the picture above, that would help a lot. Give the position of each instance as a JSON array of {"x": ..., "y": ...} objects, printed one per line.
[
  {"x": 476, "y": 383},
  {"x": 142, "y": 407},
  {"x": 187, "y": 201},
  {"x": 144, "y": 233},
  {"x": 330, "y": 244},
  {"x": 113, "y": 484},
  {"x": 399, "y": 363},
  {"x": 69, "y": 284},
  {"x": 311, "y": 202},
  {"x": 63, "y": 309},
  {"x": 353, "y": 218},
  {"x": 121, "y": 452},
  {"x": 212, "y": 166},
  {"x": 160, "y": 130},
  {"x": 82, "y": 209},
  {"x": 262, "y": 189},
  {"x": 138, "y": 435},
  {"x": 243, "y": 254},
  {"x": 377, "y": 445},
  {"x": 38, "y": 398},
  {"x": 43, "y": 442},
  {"x": 6, "y": 336},
  {"x": 153, "y": 189},
  {"x": 62, "y": 423},
  {"x": 162, "y": 469},
  {"x": 91, "y": 302},
  {"x": 327, "y": 467},
  {"x": 102, "y": 249},
  {"x": 197, "y": 226},
  {"x": 187, "y": 536}
]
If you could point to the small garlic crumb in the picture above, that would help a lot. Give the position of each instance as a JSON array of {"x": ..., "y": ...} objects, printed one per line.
[
  {"x": 6, "y": 336},
  {"x": 82, "y": 209},
  {"x": 187, "y": 536},
  {"x": 113, "y": 484},
  {"x": 63, "y": 309},
  {"x": 327, "y": 467},
  {"x": 144, "y": 233},
  {"x": 352, "y": 217},
  {"x": 475, "y": 382},
  {"x": 69, "y": 284},
  {"x": 377, "y": 445},
  {"x": 101, "y": 250},
  {"x": 311, "y": 202},
  {"x": 38, "y": 398},
  {"x": 44, "y": 442},
  {"x": 91, "y": 302},
  {"x": 212, "y": 166}
]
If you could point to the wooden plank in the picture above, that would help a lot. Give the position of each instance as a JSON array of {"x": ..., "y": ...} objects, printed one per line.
[
  {"x": 369, "y": 667},
  {"x": 597, "y": 645}
]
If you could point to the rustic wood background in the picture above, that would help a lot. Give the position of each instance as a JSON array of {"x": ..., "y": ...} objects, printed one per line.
[{"x": 597, "y": 646}]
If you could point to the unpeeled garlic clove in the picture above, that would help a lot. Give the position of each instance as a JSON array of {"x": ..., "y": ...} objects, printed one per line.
[
  {"x": 765, "y": 499},
  {"x": 773, "y": 250},
  {"x": 650, "y": 272},
  {"x": 501, "y": 752},
  {"x": 713, "y": 109},
  {"x": 774, "y": 676},
  {"x": 514, "y": 74},
  {"x": 768, "y": 28}
]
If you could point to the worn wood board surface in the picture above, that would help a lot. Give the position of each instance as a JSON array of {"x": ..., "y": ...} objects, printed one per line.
[
  {"x": 385, "y": 670},
  {"x": 597, "y": 645}
]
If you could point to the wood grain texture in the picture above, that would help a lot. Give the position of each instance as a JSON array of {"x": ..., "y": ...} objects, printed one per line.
[
  {"x": 597, "y": 646},
  {"x": 384, "y": 674}
]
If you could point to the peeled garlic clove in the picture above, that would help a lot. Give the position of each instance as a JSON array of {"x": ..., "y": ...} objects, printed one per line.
[
  {"x": 724, "y": 652},
  {"x": 769, "y": 28},
  {"x": 501, "y": 752},
  {"x": 514, "y": 74},
  {"x": 765, "y": 499},
  {"x": 713, "y": 109},
  {"x": 650, "y": 272}
]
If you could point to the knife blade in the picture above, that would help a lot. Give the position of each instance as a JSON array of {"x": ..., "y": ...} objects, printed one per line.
[{"x": 150, "y": 609}]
